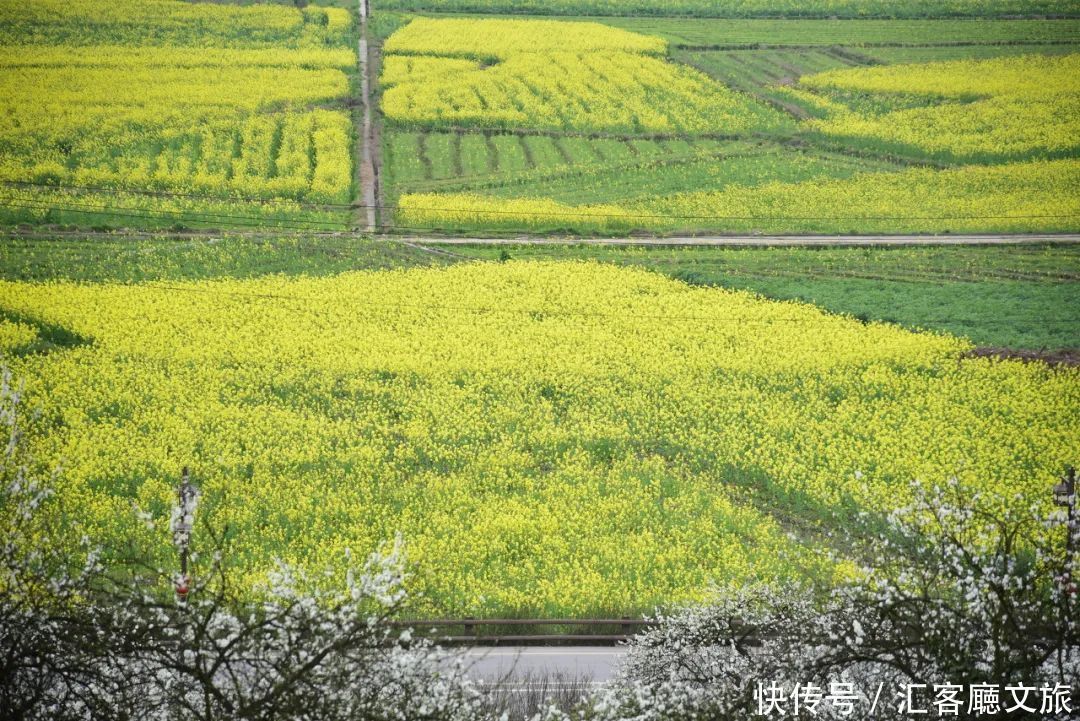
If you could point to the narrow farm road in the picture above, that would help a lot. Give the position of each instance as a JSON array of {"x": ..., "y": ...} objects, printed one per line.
[
  {"x": 512, "y": 666},
  {"x": 760, "y": 240},
  {"x": 366, "y": 139}
]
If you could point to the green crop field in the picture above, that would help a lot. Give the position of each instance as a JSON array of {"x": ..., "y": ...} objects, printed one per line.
[
  {"x": 574, "y": 169},
  {"x": 123, "y": 259},
  {"x": 726, "y": 34}
]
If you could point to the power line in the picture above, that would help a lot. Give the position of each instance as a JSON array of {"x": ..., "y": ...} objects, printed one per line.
[
  {"x": 179, "y": 216},
  {"x": 313, "y": 229},
  {"x": 257, "y": 222},
  {"x": 171, "y": 194},
  {"x": 583, "y": 214},
  {"x": 557, "y": 312},
  {"x": 264, "y": 222},
  {"x": 165, "y": 213}
]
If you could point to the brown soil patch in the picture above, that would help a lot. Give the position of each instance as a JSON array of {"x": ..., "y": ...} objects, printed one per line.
[{"x": 1065, "y": 357}]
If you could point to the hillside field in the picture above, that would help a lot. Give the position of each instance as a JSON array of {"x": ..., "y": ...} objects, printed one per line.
[
  {"x": 560, "y": 430},
  {"x": 614, "y": 445}
]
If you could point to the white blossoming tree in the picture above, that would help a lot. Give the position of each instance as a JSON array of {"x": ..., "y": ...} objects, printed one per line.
[
  {"x": 48, "y": 643},
  {"x": 956, "y": 589},
  {"x": 79, "y": 641}
]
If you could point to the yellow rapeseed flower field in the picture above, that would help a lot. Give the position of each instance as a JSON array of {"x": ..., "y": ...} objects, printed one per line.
[
  {"x": 1011, "y": 106},
  {"x": 194, "y": 105},
  {"x": 555, "y": 75},
  {"x": 550, "y": 438},
  {"x": 500, "y": 39},
  {"x": 1024, "y": 75},
  {"x": 171, "y": 22},
  {"x": 1017, "y": 112},
  {"x": 14, "y": 335}
]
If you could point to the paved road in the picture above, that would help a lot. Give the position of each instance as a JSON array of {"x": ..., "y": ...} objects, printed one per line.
[
  {"x": 520, "y": 665},
  {"x": 751, "y": 240}
]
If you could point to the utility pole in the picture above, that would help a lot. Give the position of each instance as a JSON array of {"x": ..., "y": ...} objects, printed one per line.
[{"x": 1065, "y": 495}]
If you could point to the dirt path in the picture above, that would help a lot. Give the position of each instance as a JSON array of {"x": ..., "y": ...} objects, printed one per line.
[
  {"x": 51, "y": 232},
  {"x": 368, "y": 177}
]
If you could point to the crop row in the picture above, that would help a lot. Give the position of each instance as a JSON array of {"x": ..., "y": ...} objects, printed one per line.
[
  {"x": 897, "y": 55},
  {"x": 1027, "y": 76},
  {"x": 861, "y": 33},
  {"x": 144, "y": 89},
  {"x": 749, "y": 68},
  {"x": 577, "y": 170},
  {"x": 85, "y": 206},
  {"x": 301, "y": 155},
  {"x": 500, "y": 39},
  {"x": 169, "y": 57},
  {"x": 732, "y": 164},
  {"x": 428, "y": 159}
]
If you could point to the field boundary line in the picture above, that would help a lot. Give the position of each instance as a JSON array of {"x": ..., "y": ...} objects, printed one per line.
[
  {"x": 764, "y": 240},
  {"x": 721, "y": 47},
  {"x": 569, "y": 133},
  {"x": 436, "y": 12}
]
